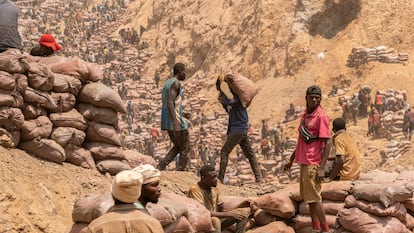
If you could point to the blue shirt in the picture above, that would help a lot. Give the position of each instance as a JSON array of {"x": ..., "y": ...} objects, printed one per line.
[
  {"x": 166, "y": 119},
  {"x": 238, "y": 117}
]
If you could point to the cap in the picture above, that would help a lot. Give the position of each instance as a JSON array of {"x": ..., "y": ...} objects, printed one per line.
[
  {"x": 126, "y": 186},
  {"x": 316, "y": 90},
  {"x": 149, "y": 173},
  {"x": 49, "y": 41}
]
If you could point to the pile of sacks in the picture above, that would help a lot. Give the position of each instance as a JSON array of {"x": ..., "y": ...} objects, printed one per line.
[
  {"x": 395, "y": 149},
  {"x": 56, "y": 109},
  {"x": 361, "y": 55}
]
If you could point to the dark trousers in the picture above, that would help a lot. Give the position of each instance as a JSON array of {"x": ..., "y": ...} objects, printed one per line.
[
  {"x": 232, "y": 140},
  {"x": 181, "y": 144}
]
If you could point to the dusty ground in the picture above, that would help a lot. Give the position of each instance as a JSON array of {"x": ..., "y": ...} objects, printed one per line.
[{"x": 273, "y": 42}]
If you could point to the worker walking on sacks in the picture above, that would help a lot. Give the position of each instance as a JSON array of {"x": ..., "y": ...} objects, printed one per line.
[
  {"x": 172, "y": 120},
  {"x": 312, "y": 151},
  {"x": 237, "y": 128}
]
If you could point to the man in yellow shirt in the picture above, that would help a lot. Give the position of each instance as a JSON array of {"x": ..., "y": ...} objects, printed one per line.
[
  {"x": 207, "y": 194},
  {"x": 348, "y": 158}
]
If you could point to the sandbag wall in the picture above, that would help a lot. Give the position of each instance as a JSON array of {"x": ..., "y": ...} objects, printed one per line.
[
  {"x": 361, "y": 55},
  {"x": 378, "y": 202},
  {"x": 55, "y": 109}
]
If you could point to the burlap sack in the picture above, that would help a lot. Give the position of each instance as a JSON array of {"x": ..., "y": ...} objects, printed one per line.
[
  {"x": 160, "y": 213},
  {"x": 395, "y": 210},
  {"x": 51, "y": 60},
  {"x": 40, "y": 77},
  {"x": 44, "y": 148},
  {"x": 9, "y": 139},
  {"x": 70, "y": 118},
  {"x": 175, "y": 210},
  {"x": 134, "y": 158},
  {"x": 330, "y": 207},
  {"x": 79, "y": 156},
  {"x": 64, "y": 102},
  {"x": 65, "y": 83},
  {"x": 91, "y": 207},
  {"x": 273, "y": 227},
  {"x": 68, "y": 135},
  {"x": 11, "y": 82},
  {"x": 181, "y": 225},
  {"x": 11, "y": 98},
  {"x": 98, "y": 114},
  {"x": 13, "y": 61},
  {"x": 243, "y": 87},
  {"x": 79, "y": 228},
  {"x": 40, "y": 127},
  {"x": 198, "y": 215},
  {"x": 234, "y": 202},
  {"x": 104, "y": 151},
  {"x": 301, "y": 221},
  {"x": 336, "y": 190},
  {"x": 31, "y": 111},
  {"x": 77, "y": 68},
  {"x": 263, "y": 218},
  {"x": 11, "y": 118},
  {"x": 409, "y": 204},
  {"x": 40, "y": 98},
  {"x": 111, "y": 166},
  {"x": 386, "y": 194},
  {"x": 102, "y": 133},
  {"x": 278, "y": 203},
  {"x": 101, "y": 95},
  {"x": 357, "y": 221}
]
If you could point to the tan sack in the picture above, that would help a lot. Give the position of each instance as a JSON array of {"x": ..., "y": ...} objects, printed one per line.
[
  {"x": 11, "y": 118},
  {"x": 134, "y": 158},
  {"x": 44, "y": 148},
  {"x": 65, "y": 83},
  {"x": 330, "y": 207},
  {"x": 64, "y": 102},
  {"x": 32, "y": 111},
  {"x": 9, "y": 139},
  {"x": 82, "y": 70},
  {"x": 40, "y": 127},
  {"x": 11, "y": 82},
  {"x": 101, "y": 95},
  {"x": 181, "y": 225},
  {"x": 13, "y": 61},
  {"x": 40, "y": 77},
  {"x": 243, "y": 87},
  {"x": 102, "y": 133},
  {"x": 91, "y": 207},
  {"x": 70, "y": 118},
  {"x": 11, "y": 98},
  {"x": 98, "y": 114},
  {"x": 104, "y": 151},
  {"x": 336, "y": 190},
  {"x": 386, "y": 194},
  {"x": 79, "y": 156},
  {"x": 273, "y": 227},
  {"x": 111, "y": 166},
  {"x": 40, "y": 98},
  {"x": 68, "y": 135},
  {"x": 160, "y": 213},
  {"x": 357, "y": 221},
  {"x": 79, "y": 228},
  {"x": 277, "y": 203},
  {"x": 51, "y": 60}
]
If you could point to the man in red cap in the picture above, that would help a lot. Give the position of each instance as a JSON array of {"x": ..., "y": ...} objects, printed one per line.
[{"x": 47, "y": 46}]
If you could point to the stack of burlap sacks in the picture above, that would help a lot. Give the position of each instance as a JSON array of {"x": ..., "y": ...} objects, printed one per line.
[
  {"x": 379, "y": 202},
  {"x": 361, "y": 55},
  {"x": 55, "y": 109}
]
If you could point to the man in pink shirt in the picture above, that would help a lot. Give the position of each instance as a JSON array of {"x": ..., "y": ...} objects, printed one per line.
[{"x": 312, "y": 151}]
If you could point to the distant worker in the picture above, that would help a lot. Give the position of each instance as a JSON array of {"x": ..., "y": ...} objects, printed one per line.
[
  {"x": 9, "y": 36},
  {"x": 172, "y": 120},
  {"x": 47, "y": 46},
  {"x": 348, "y": 158}
]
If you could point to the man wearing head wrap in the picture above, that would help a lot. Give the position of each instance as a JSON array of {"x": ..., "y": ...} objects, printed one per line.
[
  {"x": 312, "y": 151},
  {"x": 124, "y": 217},
  {"x": 151, "y": 189},
  {"x": 348, "y": 158}
]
